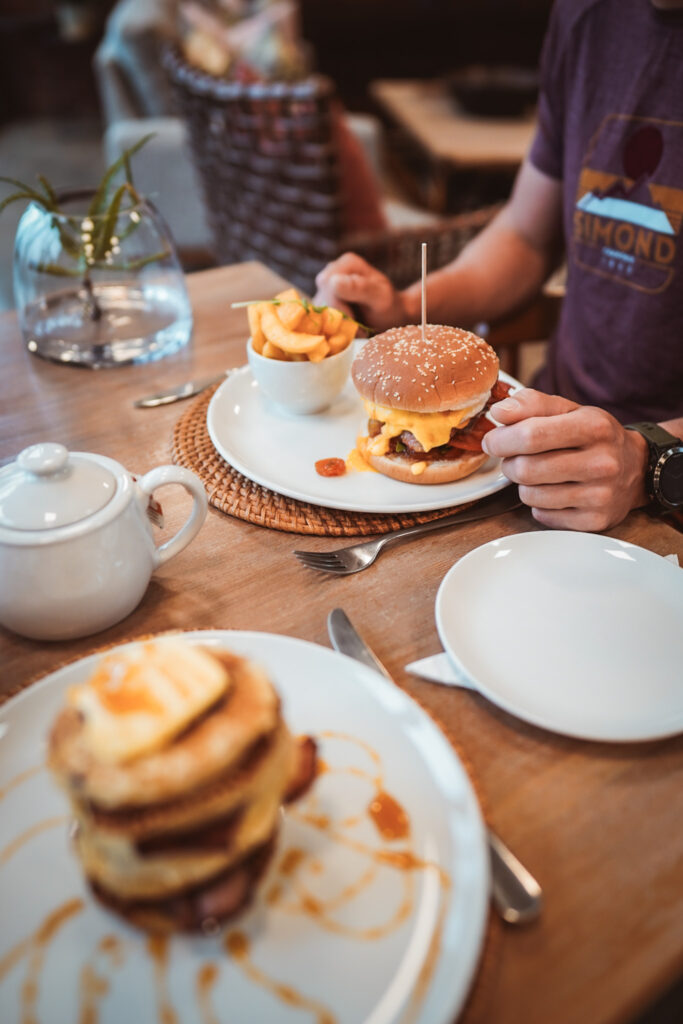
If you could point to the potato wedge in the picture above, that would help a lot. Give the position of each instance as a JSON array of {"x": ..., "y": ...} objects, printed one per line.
[
  {"x": 257, "y": 336},
  {"x": 290, "y": 314},
  {"x": 348, "y": 327},
  {"x": 318, "y": 354},
  {"x": 271, "y": 351},
  {"x": 337, "y": 343},
  {"x": 312, "y": 323},
  {"x": 331, "y": 320},
  {"x": 289, "y": 341}
]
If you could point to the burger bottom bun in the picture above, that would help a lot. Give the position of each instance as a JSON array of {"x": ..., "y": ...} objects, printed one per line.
[{"x": 440, "y": 471}]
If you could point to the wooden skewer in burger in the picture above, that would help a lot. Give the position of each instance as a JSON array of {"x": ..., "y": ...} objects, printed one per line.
[{"x": 426, "y": 390}]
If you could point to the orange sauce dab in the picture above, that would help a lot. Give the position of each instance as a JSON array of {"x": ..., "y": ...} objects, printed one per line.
[{"x": 330, "y": 467}]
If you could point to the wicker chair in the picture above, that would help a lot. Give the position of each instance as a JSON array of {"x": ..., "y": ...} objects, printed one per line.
[{"x": 268, "y": 162}]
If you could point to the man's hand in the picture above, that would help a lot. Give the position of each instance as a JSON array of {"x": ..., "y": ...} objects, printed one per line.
[
  {"x": 350, "y": 280},
  {"x": 577, "y": 467}
]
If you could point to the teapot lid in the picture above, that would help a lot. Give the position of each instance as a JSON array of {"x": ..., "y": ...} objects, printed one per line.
[{"x": 48, "y": 487}]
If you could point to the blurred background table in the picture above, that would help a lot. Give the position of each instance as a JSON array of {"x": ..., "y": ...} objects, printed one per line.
[
  {"x": 599, "y": 825},
  {"x": 444, "y": 154}
]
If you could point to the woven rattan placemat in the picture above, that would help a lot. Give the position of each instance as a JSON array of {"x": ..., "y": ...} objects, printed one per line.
[{"x": 231, "y": 492}]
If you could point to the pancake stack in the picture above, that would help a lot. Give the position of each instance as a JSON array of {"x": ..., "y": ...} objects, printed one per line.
[{"x": 176, "y": 761}]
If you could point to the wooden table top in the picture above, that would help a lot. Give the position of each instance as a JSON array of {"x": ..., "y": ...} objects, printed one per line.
[
  {"x": 598, "y": 825},
  {"x": 431, "y": 115}
]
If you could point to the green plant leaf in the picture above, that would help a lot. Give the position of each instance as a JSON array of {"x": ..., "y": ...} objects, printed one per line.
[
  {"x": 144, "y": 260},
  {"x": 55, "y": 269},
  {"x": 103, "y": 241},
  {"x": 72, "y": 246},
  {"x": 34, "y": 197},
  {"x": 99, "y": 200},
  {"x": 49, "y": 192}
]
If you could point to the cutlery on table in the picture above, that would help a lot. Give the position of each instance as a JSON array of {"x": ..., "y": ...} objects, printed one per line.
[
  {"x": 181, "y": 391},
  {"x": 516, "y": 893},
  {"x": 347, "y": 560}
]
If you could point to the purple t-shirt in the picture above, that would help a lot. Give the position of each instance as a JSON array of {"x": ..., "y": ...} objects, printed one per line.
[{"x": 611, "y": 127}]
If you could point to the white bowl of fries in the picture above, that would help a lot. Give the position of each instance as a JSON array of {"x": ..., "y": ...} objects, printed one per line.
[{"x": 299, "y": 354}]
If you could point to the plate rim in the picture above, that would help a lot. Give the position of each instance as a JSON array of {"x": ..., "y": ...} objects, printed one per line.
[
  {"x": 422, "y": 505},
  {"x": 457, "y": 995},
  {"x": 509, "y": 706}
]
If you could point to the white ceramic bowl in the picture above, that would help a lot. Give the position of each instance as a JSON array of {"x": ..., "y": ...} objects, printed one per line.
[{"x": 302, "y": 388}]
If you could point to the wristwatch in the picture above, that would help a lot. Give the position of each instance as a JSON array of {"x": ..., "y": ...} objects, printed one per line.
[{"x": 664, "y": 475}]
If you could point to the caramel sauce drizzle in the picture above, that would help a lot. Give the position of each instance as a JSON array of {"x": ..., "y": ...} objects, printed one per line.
[
  {"x": 93, "y": 990},
  {"x": 111, "y": 947},
  {"x": 207, "y": 975},
  {"x": 93, "y": 987},
  {"x": 18, "y": 779},
  {"x": 158, "y": 949},
  {"x": 35, "y": 948},
  {"x": 427, "y": 970},
  {"x": 41, "y": 826},
  {"x": 237, "y": 946},
  {"x": 388, "y": 817}
]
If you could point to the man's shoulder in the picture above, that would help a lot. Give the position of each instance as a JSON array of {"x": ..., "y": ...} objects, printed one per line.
[{"x": 568, "y": 16}]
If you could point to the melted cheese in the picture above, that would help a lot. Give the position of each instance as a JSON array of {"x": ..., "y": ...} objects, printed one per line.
[
  {"x": 137, "y": 700},
  {"x": 431, "y": 429},
  {"x": 356, "y": 463}
]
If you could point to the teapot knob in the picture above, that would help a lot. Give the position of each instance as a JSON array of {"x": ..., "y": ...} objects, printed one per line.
[{"x": 43, "y": 459}]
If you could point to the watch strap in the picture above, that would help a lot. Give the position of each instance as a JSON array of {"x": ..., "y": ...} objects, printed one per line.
[
  {"x": 660, "y": 443},
  {"x": 655, "y": 435}
]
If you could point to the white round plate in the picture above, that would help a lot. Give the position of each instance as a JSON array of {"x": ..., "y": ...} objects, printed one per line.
[
  {"x": 575, "y": 632},
  {"x": 382, "y": 943},
  {"x": 279, "y": 451}
]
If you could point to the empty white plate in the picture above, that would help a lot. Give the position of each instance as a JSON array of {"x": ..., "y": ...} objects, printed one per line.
[{"x": 574, "y": 632}]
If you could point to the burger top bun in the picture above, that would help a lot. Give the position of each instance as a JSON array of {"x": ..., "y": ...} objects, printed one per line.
[{"x": 449, "y": 369}]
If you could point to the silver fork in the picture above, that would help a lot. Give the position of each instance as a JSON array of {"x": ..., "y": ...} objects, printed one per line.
[{"x": 347, "y": 560}]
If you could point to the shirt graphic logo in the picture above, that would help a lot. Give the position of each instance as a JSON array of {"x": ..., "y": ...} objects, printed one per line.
[{"x": 626, "y": 225}]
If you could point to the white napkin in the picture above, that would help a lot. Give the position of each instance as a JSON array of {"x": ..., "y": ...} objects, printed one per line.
[{"x": 439, "y": 668}]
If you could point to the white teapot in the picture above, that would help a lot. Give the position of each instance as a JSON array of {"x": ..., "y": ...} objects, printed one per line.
[{"x": 76, "y": 546}]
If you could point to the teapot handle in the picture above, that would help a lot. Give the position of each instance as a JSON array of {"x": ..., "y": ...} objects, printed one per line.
[{"x": 160, "y": 477}]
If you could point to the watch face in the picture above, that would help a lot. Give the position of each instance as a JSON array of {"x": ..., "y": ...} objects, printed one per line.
[{"x": 670, "y": 482}]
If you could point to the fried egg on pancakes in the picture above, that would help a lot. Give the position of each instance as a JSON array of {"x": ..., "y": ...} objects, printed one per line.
[{"x": 176, "y": 761}]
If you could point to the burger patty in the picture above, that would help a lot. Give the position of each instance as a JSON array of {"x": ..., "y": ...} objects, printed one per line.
[{"x": 462, "y": 439}]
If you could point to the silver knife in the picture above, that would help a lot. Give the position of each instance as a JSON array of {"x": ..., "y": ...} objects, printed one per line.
[
  {"x": 516, "y": 893},
  {"x": 177, "y": 394}
]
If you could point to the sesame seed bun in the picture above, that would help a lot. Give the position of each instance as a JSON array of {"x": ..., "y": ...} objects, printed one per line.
[
  {"x": 449, "y": 369},
  {"x": 437, "y": 471}
]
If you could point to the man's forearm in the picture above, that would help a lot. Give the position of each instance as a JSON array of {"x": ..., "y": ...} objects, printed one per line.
[{"x": 495, "y": 274}]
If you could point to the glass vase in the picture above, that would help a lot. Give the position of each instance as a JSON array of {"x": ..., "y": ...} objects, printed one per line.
[{"x": 99, "y": 291}]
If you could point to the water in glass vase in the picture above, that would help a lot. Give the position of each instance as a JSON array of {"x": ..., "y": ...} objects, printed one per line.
[{"x": 98, "y": 293}]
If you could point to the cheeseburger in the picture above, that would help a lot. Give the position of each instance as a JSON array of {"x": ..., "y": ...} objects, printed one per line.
[{"x": 426, "y": 401}]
